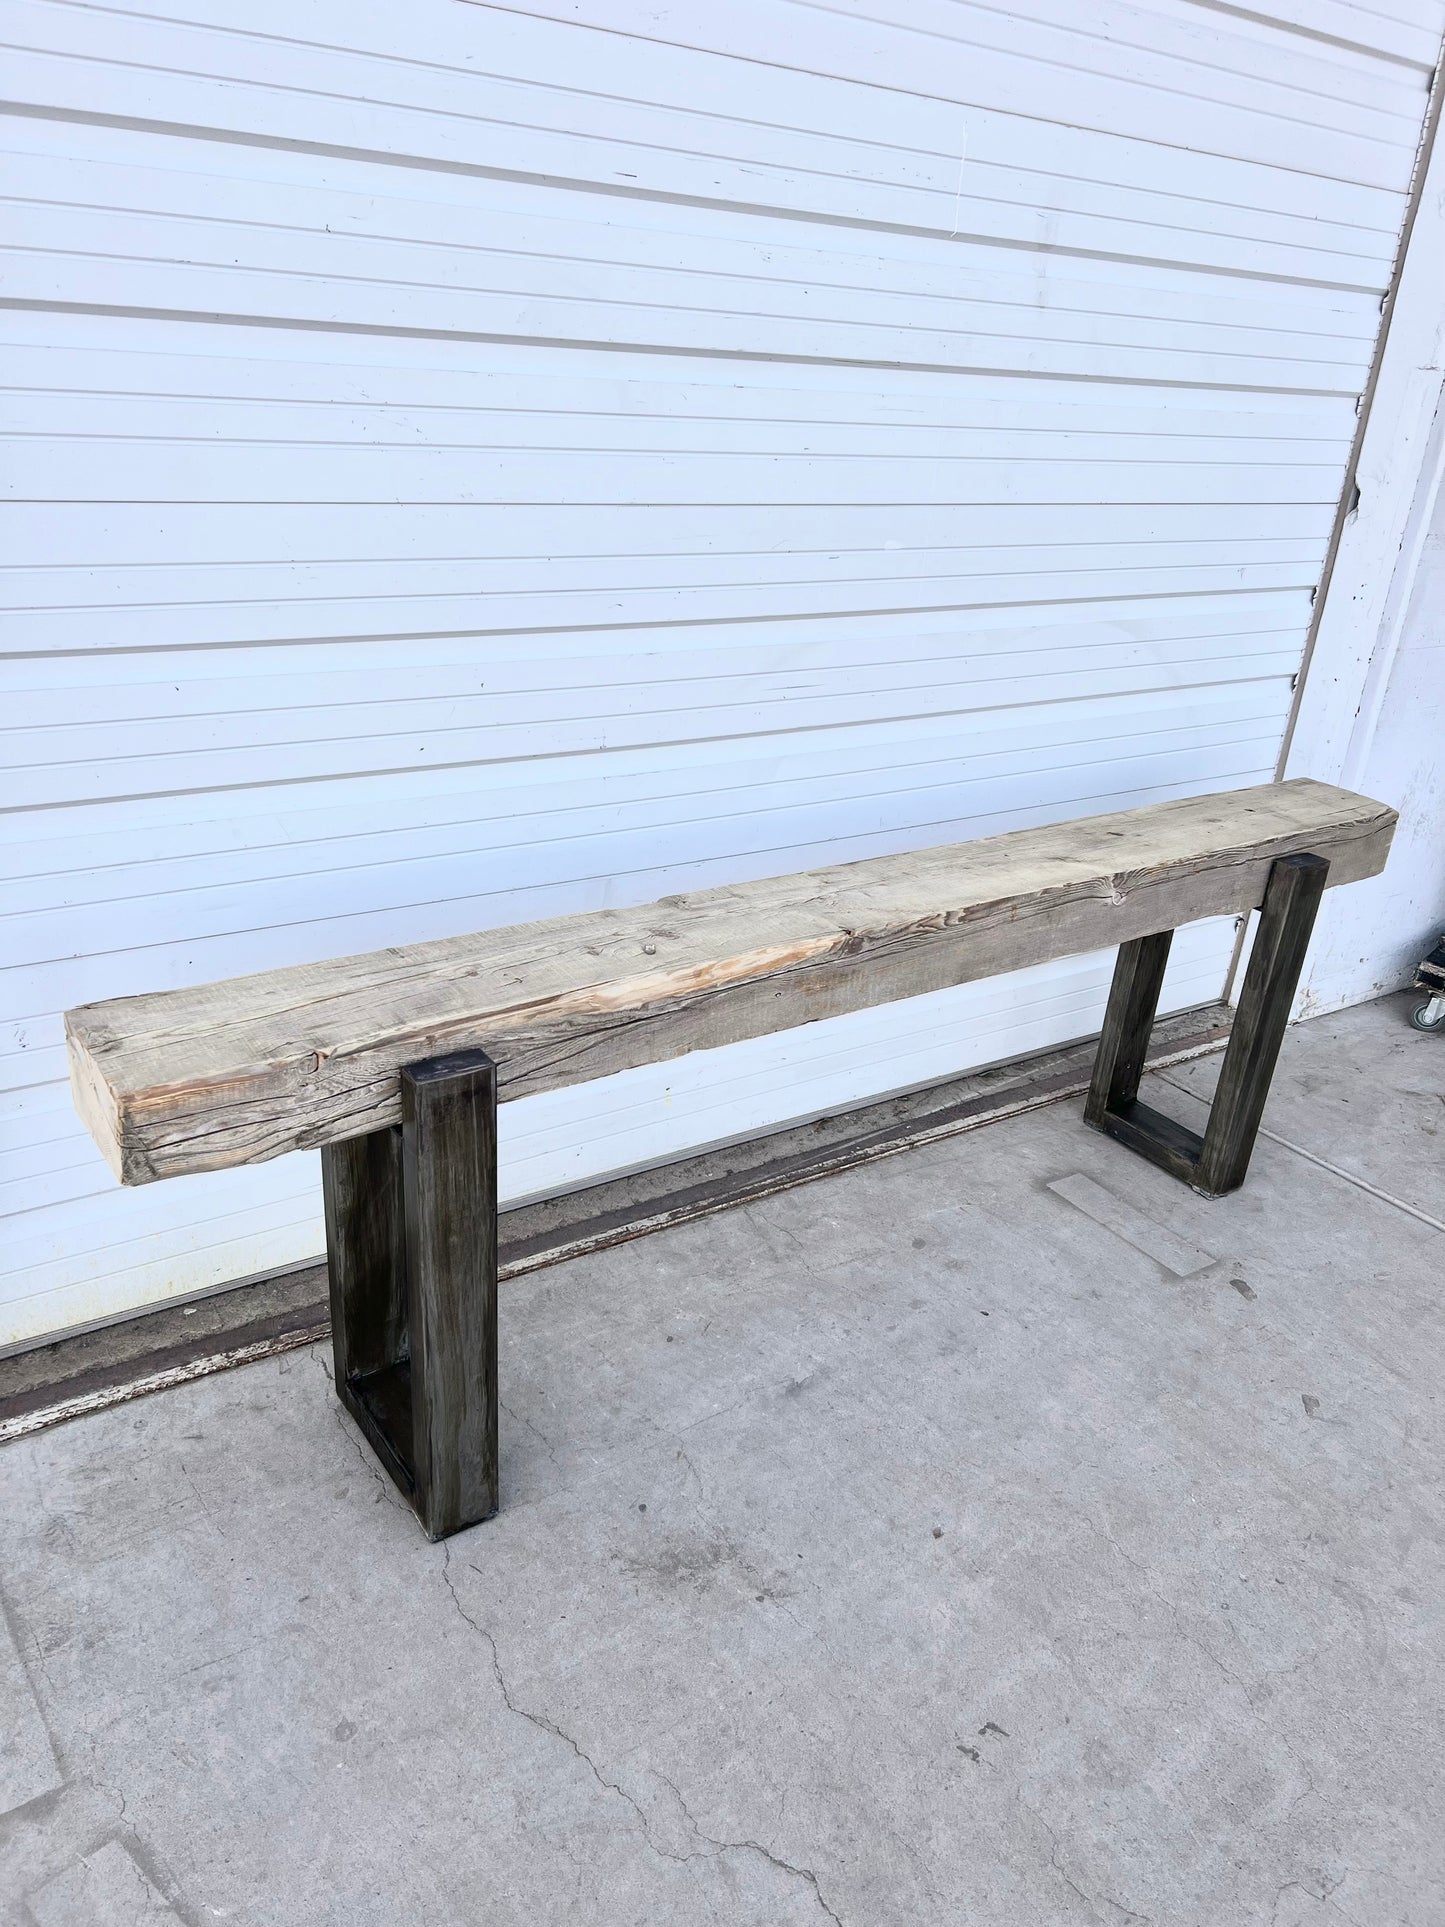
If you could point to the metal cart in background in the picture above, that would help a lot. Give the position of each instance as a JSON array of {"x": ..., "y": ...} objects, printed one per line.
[{"x": 1430, "y": 977}]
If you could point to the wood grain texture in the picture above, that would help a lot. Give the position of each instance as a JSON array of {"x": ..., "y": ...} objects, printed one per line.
[{"x": 235, "y": 1072}]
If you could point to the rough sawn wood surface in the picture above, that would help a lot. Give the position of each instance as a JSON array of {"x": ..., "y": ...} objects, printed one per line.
[{"x": 242, "y": 1070}]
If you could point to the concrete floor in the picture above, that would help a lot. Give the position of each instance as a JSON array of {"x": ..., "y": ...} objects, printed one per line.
[{"x": 927, "y": 1544}]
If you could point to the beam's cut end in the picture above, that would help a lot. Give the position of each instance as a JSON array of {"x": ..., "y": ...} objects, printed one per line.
[{"x": 96, "y": 1104}]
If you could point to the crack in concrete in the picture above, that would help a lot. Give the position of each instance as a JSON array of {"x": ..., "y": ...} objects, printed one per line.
[
  {"x": 720, "y": 1411},
  {"x": 1323, "y": 1894},
  {"x": 1092, "y": 1901},
  {"x": 749, "y": 1846},
  {"x": 1170, "y": 1608},
  {"x": 758, "y": 1223},
  {"x": 764, "y": 1589},
  {"x": 520, "y": 1418},
  {"x": 682, "y": 1453},
  {"x": 1311, "y": 1791},
  {"x": 1353, "y": 1873},
  {"x": 540, "y": 1720},
  {"x": 546, "y": 1725}
]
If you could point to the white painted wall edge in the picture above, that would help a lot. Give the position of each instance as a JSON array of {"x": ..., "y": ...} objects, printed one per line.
[
  {"x": 1363, "y": 598},
  {"x": 1398, "y": 599},
  {"x": 1370, "y": 574}
]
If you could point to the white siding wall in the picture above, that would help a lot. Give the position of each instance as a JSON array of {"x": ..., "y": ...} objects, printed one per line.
[{"x": 474, "y": 464}]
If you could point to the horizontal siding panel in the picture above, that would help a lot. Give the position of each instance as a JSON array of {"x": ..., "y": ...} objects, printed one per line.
[
  {"x": 281, "y": 603},
  {"x": 1024, "y": 75},
  {"x": 777, "y": 428},
  {"x": 1263, "y": 98},
  {"x": 560, "y": 728},
  {"x": 1230, "y": 740},
  {"x": 800, "y": 674},
  {"x": 340, "y": 832},
  {"x": 531, "y": 857},
  {"x": 82, "y": 470},
  {"x": 523, "y": 96},
  {"x": 236, "y": 380},
  {"x": 1403, "y": 30},
  {"x": 686, "y": 281},
  {"x": 1310, "y": 45},
  {"x": 986, "y": 645},
  {"x": 1195, "y": 53},
  {"x": 34, "y": 1116},
  {"x": 122, "y": 532}
]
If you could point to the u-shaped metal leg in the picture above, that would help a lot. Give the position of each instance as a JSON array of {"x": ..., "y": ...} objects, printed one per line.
[
  {"x": 1217, "y": 1161},
  {"x": 411, "y": 1244}
]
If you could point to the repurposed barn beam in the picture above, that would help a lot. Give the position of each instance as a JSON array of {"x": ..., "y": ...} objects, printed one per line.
[{"x": 235, "y": 1072}]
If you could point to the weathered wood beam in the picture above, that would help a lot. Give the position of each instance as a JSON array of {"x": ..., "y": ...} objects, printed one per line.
[{"x": 235, "y": 1072}]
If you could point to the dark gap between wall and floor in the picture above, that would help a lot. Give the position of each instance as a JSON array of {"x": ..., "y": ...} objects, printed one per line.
[{"x": 85, "y": 1371}]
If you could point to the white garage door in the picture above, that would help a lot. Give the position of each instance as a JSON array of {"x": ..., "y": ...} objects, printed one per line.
[{"x": 475, "y": 463}]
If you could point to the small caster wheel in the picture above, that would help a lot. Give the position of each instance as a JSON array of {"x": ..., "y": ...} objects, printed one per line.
[{"x": 1430, "y": 1015}]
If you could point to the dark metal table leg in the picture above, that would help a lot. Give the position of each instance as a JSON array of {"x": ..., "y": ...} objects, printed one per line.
[
  {"x": 366, "y": 1263},
  {"x": 449, "y": 1177},
  {"x": 411, "y": 1236},
  {"x": 1128, "y": 1020},
  {"x": 1217, "y": 1161},
  {"x": 1286, "y": 918}
]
